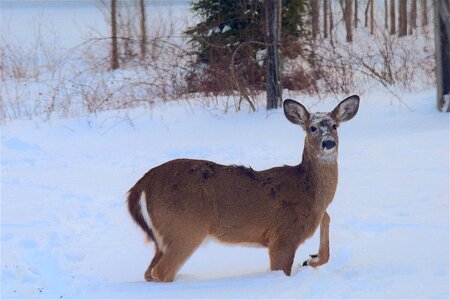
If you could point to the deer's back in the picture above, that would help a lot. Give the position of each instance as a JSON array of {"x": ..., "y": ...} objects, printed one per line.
[{"x": 233, "y": 203}]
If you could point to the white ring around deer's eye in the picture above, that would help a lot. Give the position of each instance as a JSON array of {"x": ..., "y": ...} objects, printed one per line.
[{"x": 312, "y": 128}]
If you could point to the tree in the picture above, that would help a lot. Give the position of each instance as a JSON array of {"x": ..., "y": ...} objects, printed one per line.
[
  {"x": 402, "y": 18},
  {"x": 366, "y": 14},
  {"x": 356, "y": 14},
  {"x": 273, "y": 87},
  {"x": 114, "y": 52},
  {"x": 347, "y": 11},
  {"x": 314, "y": 18},
  {"x": 424, "y": 7},
  {"x": 143, "y": 29},
  {"x": 386, "y": 13},
  {"x": 369, "y": 8},
  {"x": 392, "y": 17},
  {"x": 331, "y": 21},
  {"x": 372, "y": 22},
  {"x": 413, "y": 17},
  {"x": 442, "y": 36},
  {"x": 325, "y": 19},
  {"x": 229, "y": 48}
]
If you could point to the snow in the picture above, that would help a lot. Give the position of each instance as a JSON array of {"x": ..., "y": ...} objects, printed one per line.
[
  {"x": 65, "y": 229},
  {"x": 66, "y": 232},
  {"x": 260, "y": 55},
  {"x": 446, "y": 104},
  {"x": 69, "y": 22},
  {"x": 56, "y": 61},
  {"x": 226, "y": 28}
]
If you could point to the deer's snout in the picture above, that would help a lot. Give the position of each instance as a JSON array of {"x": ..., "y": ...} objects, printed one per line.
[{"x": 328, "y": 144}]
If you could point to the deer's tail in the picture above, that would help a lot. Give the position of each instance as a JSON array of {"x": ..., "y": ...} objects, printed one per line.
[{"x": 137, "y": 206}]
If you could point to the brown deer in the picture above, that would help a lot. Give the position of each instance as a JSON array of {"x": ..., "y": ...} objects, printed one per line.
[{"x": 181, "y": 202}]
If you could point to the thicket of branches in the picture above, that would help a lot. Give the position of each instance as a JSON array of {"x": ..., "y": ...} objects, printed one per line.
[
  {"x": 384, "y": 44},
  {"x": 335, "y": 47},
  {"x": 341, "y": 45}
]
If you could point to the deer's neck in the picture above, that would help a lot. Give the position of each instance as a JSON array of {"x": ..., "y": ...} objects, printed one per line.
[{"x": 322, "y": 177}]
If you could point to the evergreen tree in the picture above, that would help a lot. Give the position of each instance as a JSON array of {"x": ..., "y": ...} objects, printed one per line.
[{"x": 228, "y": 28}]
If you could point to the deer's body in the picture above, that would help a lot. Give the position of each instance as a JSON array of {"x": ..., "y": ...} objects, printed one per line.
[{"x": 180, "y": 203}]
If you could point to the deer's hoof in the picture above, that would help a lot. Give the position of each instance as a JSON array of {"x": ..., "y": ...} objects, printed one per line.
[
  {"x": 314, "y": 258},
  {"x": 148, "y": 278}
]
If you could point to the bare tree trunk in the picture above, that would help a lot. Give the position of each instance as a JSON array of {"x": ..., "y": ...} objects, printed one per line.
[
  {"x": 356, "y": 13},
  {"x": 402, "y": 18},
  {"x": 314, "y": 18},
  {"x": 348, "y": 20},
  {"x": 412, "y": 17},
  {"x": 279, "y": 26},
  {"x": 325, "y": 19},
  {"x": 424, "y": 7},
  {"x": 372, "y": 22},
  {"x": 114, "y": 52},
  {"x": 386, "y": 14},
  {"x": 366, "y": 14},
  {"x": 143, "y": 30},
  {"x": 392, "y": 31},
  {"x": 442, "y": 36},
  {"x": 273, "y": 87},
  {"x": 331, "y": 22}
]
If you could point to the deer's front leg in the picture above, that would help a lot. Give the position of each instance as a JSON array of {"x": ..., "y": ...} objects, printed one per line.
[
  {"x": 324, "y": 249},
  {"x": 282, "y": 256}
]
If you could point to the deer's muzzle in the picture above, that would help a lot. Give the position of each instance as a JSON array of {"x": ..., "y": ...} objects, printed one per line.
[{"x": 328, "y": 144}]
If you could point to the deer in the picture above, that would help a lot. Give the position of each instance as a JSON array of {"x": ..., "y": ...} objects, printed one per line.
[{"x": 182, "y": 202}]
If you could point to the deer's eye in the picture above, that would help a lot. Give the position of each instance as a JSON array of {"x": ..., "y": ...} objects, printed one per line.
[
  {"x": 312, "y": 128},
  {"x": 334, "y": 126}
]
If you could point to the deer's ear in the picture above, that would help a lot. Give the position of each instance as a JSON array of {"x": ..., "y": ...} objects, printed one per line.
[
  {"x": 347, "y": 109},
  {"x": 295, "y": 112}
]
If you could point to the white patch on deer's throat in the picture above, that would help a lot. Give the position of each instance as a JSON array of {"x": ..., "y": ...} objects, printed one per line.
[
  {"x": 148, "y": 220},
  {"x": 328, "y": 158}
]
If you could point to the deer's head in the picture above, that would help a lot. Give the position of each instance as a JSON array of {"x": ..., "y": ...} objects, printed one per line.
[{"x": 321, "y": 128}]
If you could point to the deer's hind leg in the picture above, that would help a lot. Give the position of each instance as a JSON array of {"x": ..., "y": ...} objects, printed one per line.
[
  {"x": 324, "y": 248},
  {"x": 176, "y": 252},
  {"x": 155, "y": 260}
]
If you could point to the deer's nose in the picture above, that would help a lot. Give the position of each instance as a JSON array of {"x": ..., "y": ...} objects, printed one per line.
[{"x": 328, "y": 144}]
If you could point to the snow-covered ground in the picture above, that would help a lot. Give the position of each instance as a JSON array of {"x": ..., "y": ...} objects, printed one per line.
[
  {"x": 66, "y": 233},
  {"x": 65, "y": 229},
  {"x": 55, "y": 57}
]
